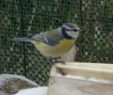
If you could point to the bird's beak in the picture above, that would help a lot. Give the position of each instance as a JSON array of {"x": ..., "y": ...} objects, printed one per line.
[{"x": 81, "y": 29}]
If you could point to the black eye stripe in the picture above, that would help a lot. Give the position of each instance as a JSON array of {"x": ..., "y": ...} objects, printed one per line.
[
  {"x": 75, "y": 30},
  {"x": 65, "y": 28},
  {"x": 69, "y": 29},
  {"x": 63, "y": 31}
]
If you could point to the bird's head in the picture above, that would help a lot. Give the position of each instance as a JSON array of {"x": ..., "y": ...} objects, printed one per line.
[{"x": 70, "y": 30}]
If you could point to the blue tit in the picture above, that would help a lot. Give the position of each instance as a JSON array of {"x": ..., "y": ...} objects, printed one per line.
[{"x": 54, "y": 43}]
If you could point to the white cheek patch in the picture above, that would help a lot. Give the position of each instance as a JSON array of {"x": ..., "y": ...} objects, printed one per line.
[{"x": 73, "y": 34}]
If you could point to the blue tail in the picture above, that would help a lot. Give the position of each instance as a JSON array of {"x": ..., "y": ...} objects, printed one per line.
[{"x": 22, "y": 39}]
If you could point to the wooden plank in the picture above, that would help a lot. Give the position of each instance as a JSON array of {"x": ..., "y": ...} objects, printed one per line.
[{"x": 62, "y": 85}]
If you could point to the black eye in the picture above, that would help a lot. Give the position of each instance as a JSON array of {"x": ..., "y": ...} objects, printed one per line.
[{"x": 75, "y": 30}]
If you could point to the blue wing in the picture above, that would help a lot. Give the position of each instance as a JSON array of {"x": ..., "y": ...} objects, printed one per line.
[
  {"x": 50, "y": 41},
  {"x": 50, "y": 38}
]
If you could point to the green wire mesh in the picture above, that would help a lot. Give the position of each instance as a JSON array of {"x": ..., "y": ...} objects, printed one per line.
[
  {"x": 26, "y": 17},
  {"x": 96, "y": 43}
]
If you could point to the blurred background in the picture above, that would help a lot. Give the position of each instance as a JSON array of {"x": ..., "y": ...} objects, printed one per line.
[{"x": 25, "y": 17}]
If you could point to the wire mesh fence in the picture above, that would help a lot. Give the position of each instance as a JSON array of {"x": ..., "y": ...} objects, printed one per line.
[{"x": 25, "y": 17}]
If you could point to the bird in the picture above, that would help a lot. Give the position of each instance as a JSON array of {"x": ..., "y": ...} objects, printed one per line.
[{"x": 54, "y": 43}]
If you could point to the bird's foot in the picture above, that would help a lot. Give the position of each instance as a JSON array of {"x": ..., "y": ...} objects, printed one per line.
[{"x": 56, "y": 60}]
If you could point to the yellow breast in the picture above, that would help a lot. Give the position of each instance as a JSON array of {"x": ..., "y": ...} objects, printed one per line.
[{"x": 58, "y": 50}]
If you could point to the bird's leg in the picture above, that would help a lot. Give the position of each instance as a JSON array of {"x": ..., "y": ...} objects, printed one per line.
[{"x": 56, "y": 60}]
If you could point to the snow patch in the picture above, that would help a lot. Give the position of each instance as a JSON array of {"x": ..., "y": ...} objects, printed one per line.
[{"x": 34, "y": 91}]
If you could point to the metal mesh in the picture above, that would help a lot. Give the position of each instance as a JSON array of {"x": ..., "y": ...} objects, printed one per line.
[
  {"x": 96, "y": 43},
  {"x": 25, "y": 17}
]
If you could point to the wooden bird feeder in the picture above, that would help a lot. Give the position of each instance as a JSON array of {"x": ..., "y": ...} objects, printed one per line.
[{"x": 81, "y": 79}]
